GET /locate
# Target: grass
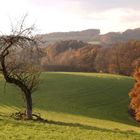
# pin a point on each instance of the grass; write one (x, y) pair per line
(83, 106)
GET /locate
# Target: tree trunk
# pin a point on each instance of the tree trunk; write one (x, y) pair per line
(28, 106)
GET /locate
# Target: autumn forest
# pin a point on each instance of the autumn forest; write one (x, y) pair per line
(72, 55)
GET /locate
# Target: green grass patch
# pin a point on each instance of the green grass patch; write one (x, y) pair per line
(91, 106)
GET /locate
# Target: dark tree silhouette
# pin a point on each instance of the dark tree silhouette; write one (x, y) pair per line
(18, 64)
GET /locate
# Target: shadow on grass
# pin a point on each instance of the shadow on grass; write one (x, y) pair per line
(99, 97)
(30, 123)
(78, 125)
(91, 127)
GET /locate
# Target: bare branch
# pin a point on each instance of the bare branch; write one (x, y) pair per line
(18, 61)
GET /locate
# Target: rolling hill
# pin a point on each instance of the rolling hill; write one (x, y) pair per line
(91, 36)
(116, 37)
(88, 35)
(82, 106)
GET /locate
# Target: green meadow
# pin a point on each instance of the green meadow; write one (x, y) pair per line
(79, 106)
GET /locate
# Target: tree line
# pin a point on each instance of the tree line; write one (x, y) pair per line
(72, 55)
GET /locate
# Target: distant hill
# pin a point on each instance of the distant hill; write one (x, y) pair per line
(114, 37)
(91, 36)
(85, 36)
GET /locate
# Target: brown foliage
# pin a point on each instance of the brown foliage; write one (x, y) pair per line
(135, 95)
(72, 55)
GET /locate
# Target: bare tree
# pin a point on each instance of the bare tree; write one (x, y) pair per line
(17, 61)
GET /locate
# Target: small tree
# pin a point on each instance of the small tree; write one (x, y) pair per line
(18, 64)
(135, 96)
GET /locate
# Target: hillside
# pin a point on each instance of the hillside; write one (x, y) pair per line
(115, 37)
(85, 36)
(91, 36)
(82, 106)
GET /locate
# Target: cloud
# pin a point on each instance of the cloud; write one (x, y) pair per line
(97, 5)
(66, 15)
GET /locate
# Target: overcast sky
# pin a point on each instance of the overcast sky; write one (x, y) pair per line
(72, 15)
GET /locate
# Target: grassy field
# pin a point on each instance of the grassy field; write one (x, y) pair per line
(82, 106)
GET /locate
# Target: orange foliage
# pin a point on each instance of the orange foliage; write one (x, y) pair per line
(135, 95)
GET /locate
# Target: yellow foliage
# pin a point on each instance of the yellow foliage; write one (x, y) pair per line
(135, 95)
